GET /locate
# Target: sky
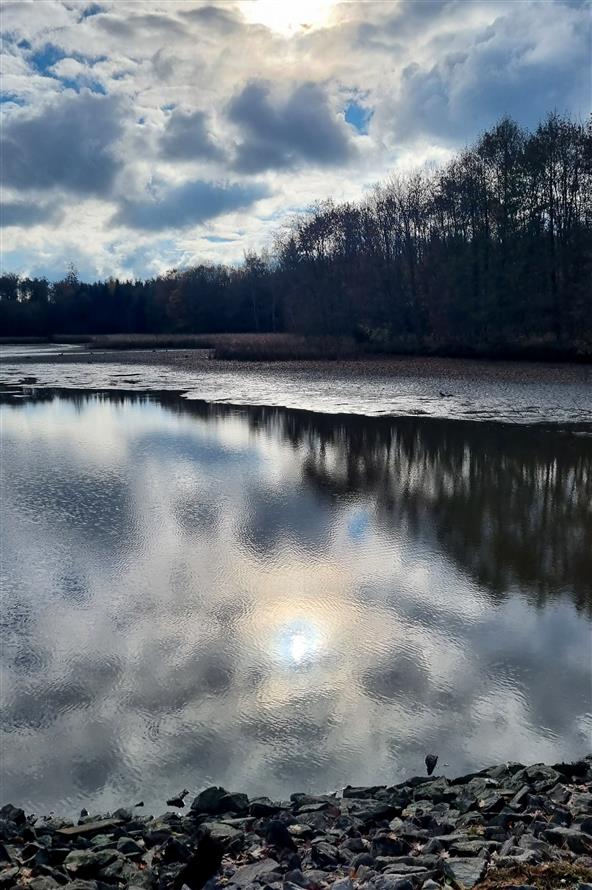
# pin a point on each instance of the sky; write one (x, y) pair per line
(142, 136)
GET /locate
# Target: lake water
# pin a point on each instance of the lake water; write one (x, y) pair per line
(276, 600)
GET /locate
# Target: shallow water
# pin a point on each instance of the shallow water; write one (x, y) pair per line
(509, 393)
(35, 350)
(276, 600)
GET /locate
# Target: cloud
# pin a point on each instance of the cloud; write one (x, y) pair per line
(21, 213)
(67, 145)
(516, 64)
(322, 112)
(213, 16)
(279, 134)
(186, 137)
(180, 206)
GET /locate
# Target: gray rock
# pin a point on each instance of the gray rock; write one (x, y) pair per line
(87, 862)
(256, 871)
(541, 777)
(362, 859)
(314, 877)
(518, 802)
(388, 845)
(525, 857)
(13, 814)
(8, 876)
(581, 803)
(123, 813)
(576, 841)
(402, 868)
(263, 806)
(430, 885)
(434, 845)
(390, 882)
(102, 841)
(295, 877)
(324, 855)
(363, 792)
(355, 844)
(129, 847)
(559, 793)
(43, 883)
(365, 873)
(174, 850)
(301, 799)
(343, 884)
(87, 885)
(473, 847)
(437, 791)
(118, 870)
(210, 800)
(466, 871)
(491, 803)
(375, 811)
(222, 830)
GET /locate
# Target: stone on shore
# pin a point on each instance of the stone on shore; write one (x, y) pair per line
(422, 834)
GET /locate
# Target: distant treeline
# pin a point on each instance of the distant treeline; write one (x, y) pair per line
(491, 252)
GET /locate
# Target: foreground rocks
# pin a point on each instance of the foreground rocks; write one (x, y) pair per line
(509, 826)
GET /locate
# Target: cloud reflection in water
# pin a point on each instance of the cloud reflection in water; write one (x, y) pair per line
(277, 601)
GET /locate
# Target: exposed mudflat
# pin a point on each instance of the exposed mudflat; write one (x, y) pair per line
(453, 388)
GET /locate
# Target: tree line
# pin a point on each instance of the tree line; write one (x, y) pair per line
(491, 250)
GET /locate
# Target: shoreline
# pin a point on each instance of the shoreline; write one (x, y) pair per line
(507, 826)
(526, 370)
(456, 389)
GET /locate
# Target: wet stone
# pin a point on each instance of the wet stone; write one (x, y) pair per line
(255, 872)
(263, 806)
(466, 871)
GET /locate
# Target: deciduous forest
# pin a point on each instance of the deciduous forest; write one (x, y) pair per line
(490, 252)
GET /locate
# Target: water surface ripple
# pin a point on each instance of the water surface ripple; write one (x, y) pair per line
(279, 600)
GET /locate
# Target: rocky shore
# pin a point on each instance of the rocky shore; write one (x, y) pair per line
(509, 826)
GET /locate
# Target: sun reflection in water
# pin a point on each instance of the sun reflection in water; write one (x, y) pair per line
(299, 643)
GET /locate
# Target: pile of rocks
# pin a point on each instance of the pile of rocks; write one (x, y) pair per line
(489, 829)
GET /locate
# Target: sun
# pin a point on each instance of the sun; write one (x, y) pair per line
(288, 16)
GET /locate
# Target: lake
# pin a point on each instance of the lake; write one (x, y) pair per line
(278, 600)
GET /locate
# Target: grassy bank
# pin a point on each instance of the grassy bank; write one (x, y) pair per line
(294, 347)
(270, 347)
(240, 347)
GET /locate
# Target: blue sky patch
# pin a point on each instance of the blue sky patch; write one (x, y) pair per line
(92, 9)
(12, 99)
(358, 116)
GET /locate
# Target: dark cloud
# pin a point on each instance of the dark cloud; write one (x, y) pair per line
(21, 213)
(188, 204)
(213, 16)
(501, 69)
(301, 129)
(133, 26)
(114, 25)
(186, 138)
(68, 145)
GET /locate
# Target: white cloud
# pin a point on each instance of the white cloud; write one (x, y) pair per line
(181, 79)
